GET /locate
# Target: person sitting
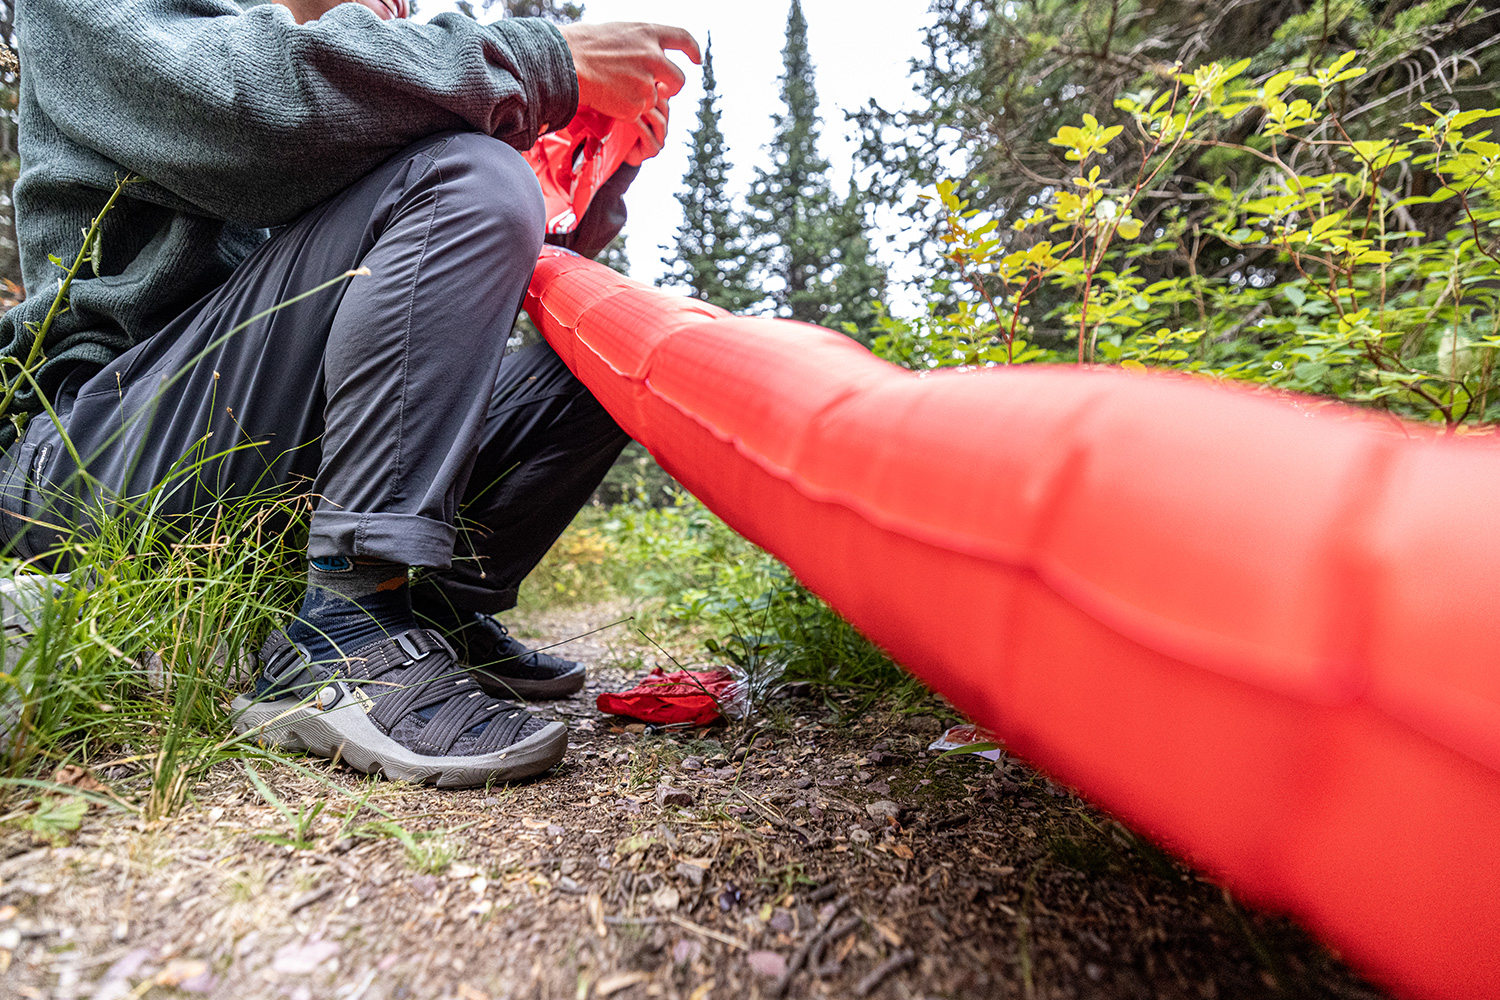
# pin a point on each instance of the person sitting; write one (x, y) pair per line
(267, 150)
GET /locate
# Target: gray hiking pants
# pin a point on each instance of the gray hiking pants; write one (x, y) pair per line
(384, 396)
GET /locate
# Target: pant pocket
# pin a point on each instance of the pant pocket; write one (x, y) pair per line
(15, 470)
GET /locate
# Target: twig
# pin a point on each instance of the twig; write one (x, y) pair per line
(708, 932)
(815, 963)
(799, 957)
(310, 897)
(878, 974)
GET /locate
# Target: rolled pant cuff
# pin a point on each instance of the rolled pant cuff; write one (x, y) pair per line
(408, 539)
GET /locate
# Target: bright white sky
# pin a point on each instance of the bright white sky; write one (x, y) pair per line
(860, 49)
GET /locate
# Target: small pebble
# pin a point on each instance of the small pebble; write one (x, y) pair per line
(767, 963)
(667, 796)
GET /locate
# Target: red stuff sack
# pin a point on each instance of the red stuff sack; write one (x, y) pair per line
(694, 697)
(574, 162)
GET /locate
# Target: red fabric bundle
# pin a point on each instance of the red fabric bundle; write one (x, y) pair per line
(572, 164)
(694, 697)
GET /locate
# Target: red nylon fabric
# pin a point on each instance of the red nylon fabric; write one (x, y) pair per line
(692, 697)
(573, 162)
(1264, 633)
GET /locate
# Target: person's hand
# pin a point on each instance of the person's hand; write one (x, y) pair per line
(623, 66)
(652, 130)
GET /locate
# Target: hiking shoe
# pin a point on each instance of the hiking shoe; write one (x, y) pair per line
(506, 668)
(401, 707)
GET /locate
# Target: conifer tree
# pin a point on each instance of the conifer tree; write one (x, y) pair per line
(860, 285)
(711, 255)
(808, 231)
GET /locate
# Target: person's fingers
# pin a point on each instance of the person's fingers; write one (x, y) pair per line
(668, 75)
(654, 125)
(680, 40)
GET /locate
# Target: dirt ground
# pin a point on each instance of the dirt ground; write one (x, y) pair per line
(810, 855)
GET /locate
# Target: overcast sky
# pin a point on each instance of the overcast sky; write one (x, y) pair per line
(860, 49)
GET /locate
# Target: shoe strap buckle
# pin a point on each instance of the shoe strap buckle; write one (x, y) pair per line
(289, 657)
(409, 646)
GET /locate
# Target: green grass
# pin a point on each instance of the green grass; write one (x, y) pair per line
(685, 572)
(133, 661)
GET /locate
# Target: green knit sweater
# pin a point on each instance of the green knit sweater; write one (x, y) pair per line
(238, 120)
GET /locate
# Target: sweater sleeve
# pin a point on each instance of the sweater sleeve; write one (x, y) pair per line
(250, 117)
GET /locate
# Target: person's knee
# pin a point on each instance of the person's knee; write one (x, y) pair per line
(494, 185)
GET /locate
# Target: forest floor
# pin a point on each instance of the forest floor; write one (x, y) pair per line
(813, 855)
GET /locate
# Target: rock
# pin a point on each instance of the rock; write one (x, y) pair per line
(923, 723)
(691, 764)
(729, 898)
(115, 984)
(767, 963)
(878, 788)
(666, 899)
(717, 762)
(781, 921)
(667, 796)
(569, 886)
(859, 835)
(692, 873)
(883, 809)
(300, 959)
(424, 885)
(686, 950)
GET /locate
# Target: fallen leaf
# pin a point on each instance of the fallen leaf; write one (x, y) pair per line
(76, 776)
(888, 932)
(902, 851)
(610, 985)
(55, 818)
(702, 991)
(594, 905)
(180, 970)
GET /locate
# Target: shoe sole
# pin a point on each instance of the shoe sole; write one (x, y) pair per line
(346, 734)
(499, 686)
